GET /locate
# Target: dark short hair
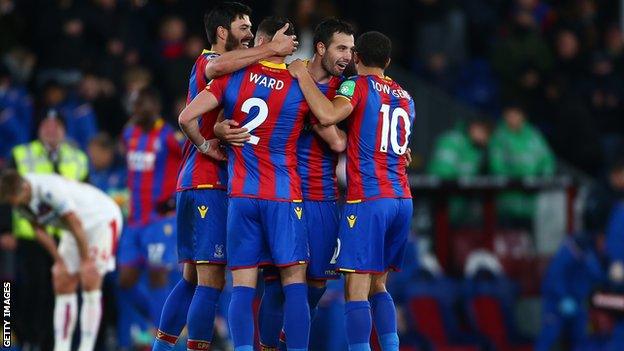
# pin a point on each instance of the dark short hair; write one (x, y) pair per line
(270, 25)
(373, 49)
(10, 184)
(103, 140)
(223, 15)
(325, 30)
(149, 93)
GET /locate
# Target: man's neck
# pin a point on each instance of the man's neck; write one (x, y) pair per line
(370, 71)
(219, 48)
(318, 73)
(275, 59)
(147, 124)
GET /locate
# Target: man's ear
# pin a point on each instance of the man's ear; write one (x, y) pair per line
(222, 33)
(320, 48)
(388, 63)
(356, 58)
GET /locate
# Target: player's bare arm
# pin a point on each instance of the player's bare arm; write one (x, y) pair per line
(73, 223)
(48, 243)
(231, 61)
(327, 112)
(333, 136)
(188, 121)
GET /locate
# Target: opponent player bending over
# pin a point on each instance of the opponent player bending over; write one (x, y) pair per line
(265, 213)
(376, 218)
(201, 199)
(84, 254)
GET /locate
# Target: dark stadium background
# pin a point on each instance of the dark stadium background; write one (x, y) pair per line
(561, 63)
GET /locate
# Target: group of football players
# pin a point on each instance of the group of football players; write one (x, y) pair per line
(257, 189)
(275, 208)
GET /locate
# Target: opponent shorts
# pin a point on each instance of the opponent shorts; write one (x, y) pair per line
(102, 242)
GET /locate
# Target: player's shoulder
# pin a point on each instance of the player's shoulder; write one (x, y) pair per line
(207, 55)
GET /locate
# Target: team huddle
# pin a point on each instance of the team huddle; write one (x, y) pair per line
(257, 189)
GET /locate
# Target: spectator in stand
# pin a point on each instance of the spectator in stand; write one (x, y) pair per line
(522, 46)
(567, 117)
(605, 93)
(569, 61)
(614, 46)
(542, 13)
(78, 115)
(462, 152)
(15, 115)
(518, 150)
(102, 95)
(174, 72)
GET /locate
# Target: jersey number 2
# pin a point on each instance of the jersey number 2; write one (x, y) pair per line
(389, 125)
(263, 113)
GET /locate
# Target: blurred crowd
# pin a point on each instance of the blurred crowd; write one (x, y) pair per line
(547, 76)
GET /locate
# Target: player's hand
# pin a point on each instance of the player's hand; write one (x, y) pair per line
(297, 68)
(59, 268)
(282, 44)
(227, 132)
(212, 148)
(408, 156)
(88, 267)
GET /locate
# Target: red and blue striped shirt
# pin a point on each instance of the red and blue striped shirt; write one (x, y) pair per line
(316, 161)
(377, 139)
(266, 100)
(198, 171)
(153, 157)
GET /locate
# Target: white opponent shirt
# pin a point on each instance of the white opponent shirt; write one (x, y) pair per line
(54, 196)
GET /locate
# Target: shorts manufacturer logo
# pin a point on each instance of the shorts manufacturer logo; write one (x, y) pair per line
(168, 229)
(202, 211)
(351, 219)
(299, 212)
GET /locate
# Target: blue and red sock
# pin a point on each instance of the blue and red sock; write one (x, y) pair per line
(201, 316)
(173, 316)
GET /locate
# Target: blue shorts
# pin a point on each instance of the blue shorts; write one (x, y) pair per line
(153, 244)
(373, 235)
(262, 232)
(322, 218)
(201, 222)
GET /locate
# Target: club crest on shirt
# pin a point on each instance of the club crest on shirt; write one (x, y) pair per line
(202, 210)
(351, 220)
(168, 229)
(299, 212)
(218, 251)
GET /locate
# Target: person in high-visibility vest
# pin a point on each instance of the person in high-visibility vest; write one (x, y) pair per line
(49, 153)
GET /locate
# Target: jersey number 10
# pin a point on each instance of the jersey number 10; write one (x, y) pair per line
(389, 125)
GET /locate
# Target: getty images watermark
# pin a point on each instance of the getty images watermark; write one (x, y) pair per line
(6, 314)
